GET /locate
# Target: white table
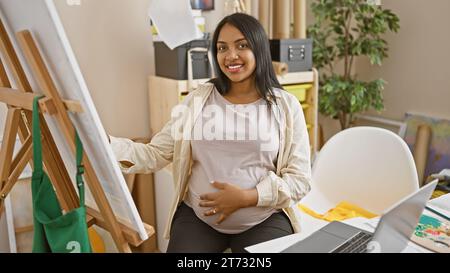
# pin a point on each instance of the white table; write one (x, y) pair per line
(311, 224)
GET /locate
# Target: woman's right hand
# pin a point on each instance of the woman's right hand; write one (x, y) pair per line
(126, 164)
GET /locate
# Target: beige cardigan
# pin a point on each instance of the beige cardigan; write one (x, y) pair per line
(280, 190)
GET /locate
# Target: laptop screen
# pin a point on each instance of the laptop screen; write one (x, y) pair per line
(397, 224)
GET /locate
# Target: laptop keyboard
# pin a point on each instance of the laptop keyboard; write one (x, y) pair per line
(357, 244)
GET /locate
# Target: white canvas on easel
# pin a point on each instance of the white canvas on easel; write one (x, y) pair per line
(41, 18)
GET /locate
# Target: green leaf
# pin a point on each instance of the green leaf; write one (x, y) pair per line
(353, 101)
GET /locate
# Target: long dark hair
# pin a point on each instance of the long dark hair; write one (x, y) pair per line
(254, 33)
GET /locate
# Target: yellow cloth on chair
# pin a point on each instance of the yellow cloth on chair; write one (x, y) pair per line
(344, 210)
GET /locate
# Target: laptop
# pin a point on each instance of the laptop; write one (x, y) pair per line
(391, 235)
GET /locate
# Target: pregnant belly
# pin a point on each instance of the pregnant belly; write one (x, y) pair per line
(239, 221)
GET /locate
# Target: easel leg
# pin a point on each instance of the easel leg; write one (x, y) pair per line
(7, 148)
(26, 153)
(9, 141)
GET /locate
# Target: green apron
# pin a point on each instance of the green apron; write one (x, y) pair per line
(53, 231)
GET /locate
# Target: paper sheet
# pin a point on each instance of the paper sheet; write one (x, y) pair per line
(174, 21)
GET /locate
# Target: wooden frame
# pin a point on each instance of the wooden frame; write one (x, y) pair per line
(18, 122)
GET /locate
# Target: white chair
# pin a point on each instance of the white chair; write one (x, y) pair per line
(367, 166)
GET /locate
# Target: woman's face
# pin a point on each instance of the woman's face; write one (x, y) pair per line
(235, 58)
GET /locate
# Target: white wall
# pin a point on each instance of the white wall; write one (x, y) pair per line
(417, 74)
(417, 70)
(112, 42)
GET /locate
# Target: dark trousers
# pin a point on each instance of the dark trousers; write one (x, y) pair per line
(189, 234)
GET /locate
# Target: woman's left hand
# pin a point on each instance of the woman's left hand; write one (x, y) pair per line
(227, 200)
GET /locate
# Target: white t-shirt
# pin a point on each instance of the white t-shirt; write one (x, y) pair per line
(237, 144)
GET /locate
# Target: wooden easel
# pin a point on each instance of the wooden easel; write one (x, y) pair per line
(18, 122)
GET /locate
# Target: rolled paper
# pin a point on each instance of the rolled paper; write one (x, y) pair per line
(264, 17)
(421, 148)
(281, 19)
(300, 19)
(280, 68)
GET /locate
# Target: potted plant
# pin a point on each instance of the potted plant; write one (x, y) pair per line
(343, 31)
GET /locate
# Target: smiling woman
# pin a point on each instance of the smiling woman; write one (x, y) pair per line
(235, 57)
(243, 60)
(242, 161)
